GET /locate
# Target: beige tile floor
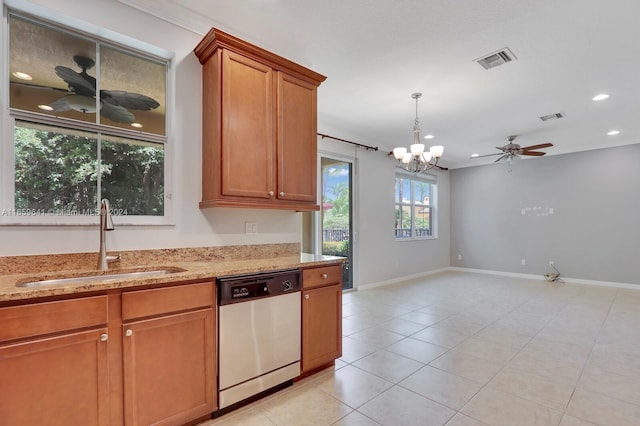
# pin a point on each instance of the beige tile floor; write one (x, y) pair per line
(465, 349)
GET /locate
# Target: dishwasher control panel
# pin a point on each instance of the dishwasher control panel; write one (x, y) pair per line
(239, 288)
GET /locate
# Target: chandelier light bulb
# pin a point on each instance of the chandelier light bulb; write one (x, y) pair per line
(399, 152)
(417, 148)
(437, 151)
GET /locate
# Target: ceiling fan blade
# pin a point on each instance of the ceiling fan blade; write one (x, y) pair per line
(534, 153)
(60, 104)
(116, 113)
(38, 87)
(503, 156)
(542, 145)
(488, 155)
(129, 100)
(76, 81)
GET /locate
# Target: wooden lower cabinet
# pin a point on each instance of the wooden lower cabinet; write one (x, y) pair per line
(60, 380)
(168, 354)
(54, 363)
(169, 374)
(321, 319)
(140, 357)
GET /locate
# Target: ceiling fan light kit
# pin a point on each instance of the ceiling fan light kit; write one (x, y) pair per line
(416, 159)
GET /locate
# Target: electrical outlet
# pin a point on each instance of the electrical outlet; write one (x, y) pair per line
(552, 264)
(459, 257)
(523, 261)
(251, 228)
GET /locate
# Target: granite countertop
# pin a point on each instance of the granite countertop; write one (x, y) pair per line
(187, 271)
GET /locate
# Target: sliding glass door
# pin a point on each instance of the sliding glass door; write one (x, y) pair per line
(330, 231)
(337, 213)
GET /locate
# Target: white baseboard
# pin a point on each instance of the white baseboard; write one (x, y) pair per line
(500, 273)
(399, 280)
(540, 277)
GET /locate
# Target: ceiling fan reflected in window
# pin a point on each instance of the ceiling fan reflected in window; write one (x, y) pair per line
(113, 104)
(512, 151)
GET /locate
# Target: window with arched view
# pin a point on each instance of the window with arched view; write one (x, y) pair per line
(89, 122)
(414, 207)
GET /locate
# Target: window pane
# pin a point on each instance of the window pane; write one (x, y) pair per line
(421, 192)
(398, 195)
(133, 176)
(423, 221)
(403, 190)
(132, 90)
(403, 221)
(59, 78)
(55, 170)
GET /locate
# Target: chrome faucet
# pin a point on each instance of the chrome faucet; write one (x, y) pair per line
(106, 224)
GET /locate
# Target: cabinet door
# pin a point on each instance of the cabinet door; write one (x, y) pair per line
(248, 134)
(55, 381)
(321, 326)
(169, 370)
(297, 139)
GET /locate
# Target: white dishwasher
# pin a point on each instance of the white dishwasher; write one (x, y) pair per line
(259, 334)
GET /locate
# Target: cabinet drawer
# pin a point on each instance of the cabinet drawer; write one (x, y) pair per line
(316, 277)
(52, 317)
(157, 301)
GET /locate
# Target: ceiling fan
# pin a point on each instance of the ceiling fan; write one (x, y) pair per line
(513, 150)
(114, 104)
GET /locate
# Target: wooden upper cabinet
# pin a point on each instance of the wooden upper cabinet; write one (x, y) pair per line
(259, 144)
(297, 145)
(248, 149)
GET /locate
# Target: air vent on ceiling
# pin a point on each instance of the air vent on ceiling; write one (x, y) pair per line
(496, 59)
(550, 117)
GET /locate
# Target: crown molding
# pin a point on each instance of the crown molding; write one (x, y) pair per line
(173, 13)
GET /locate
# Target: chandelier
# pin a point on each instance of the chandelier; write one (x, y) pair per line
(418, 160)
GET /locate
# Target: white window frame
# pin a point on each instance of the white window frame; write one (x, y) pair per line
(8, 215)
(433, 202)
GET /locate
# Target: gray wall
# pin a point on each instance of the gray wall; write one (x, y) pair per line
(580, 210)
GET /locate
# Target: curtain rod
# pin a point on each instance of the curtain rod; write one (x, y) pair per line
(373, 148)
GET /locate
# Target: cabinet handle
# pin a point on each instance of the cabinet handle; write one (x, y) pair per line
(104, 337)
(282, 194)
(270, 193)
(128, 333)
(324, 276)
(306, 296)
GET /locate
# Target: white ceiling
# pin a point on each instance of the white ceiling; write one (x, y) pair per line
(376, 53)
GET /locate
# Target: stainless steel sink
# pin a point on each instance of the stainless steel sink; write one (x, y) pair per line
(99, 277)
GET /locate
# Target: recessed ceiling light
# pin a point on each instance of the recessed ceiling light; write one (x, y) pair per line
(429, 137)
(600, 97)
(613, 132)
(22, 75)
(474, 155)
(45, 107)
(136, 125)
